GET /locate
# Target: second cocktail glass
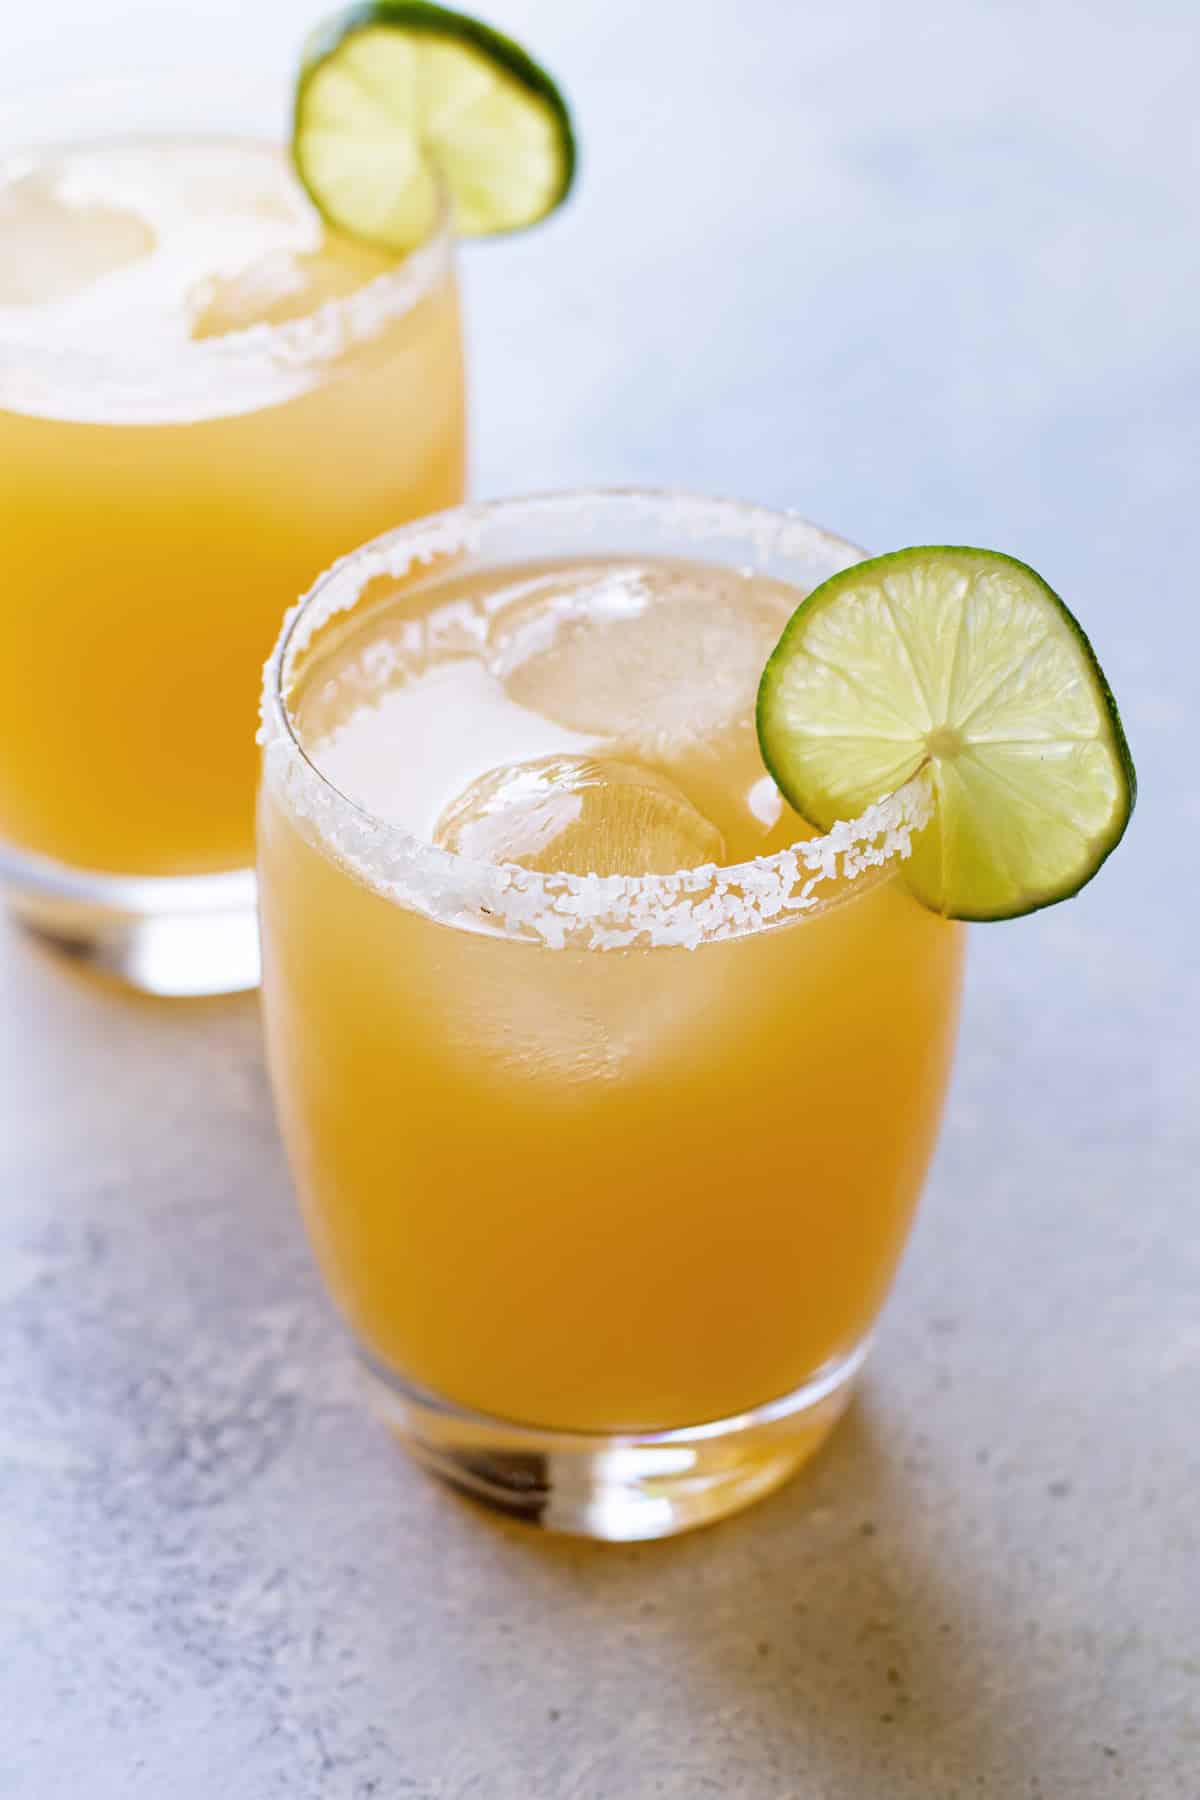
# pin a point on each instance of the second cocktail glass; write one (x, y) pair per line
(205, 398)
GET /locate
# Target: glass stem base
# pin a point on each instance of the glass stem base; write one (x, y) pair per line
(173, 936)
(626, 1486)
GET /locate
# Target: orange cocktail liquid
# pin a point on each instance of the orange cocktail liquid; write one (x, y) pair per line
(582, 1187)
(204, 399)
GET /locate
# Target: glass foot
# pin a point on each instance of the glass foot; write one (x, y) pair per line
(183, 936)
(625, 1486)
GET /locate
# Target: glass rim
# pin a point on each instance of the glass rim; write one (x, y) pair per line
(594, 911)
(120, 385)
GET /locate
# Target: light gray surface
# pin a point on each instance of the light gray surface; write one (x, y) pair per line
(923, 271)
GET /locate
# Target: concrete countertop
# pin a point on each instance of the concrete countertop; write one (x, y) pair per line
(924, 272)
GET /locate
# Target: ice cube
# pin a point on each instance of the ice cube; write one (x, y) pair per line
(265, 292)
(280, 286)
(657, 657)
(54, 248)
(579, 815)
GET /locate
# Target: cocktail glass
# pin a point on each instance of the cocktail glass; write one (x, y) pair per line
(608, 1174)
(204, 400)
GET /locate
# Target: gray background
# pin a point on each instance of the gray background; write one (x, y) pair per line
(924, 271)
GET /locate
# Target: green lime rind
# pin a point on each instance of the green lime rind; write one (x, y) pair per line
(400, 102)
(966, 664)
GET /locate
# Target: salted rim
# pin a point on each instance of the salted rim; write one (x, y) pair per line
(218, 377)
(606, 912)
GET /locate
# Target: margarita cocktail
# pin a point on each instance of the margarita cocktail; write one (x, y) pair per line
(206, 395)
(608, 1086)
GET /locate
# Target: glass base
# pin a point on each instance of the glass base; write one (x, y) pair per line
(625, 1486)
(177, 936)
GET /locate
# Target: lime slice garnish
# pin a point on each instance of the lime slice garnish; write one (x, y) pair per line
(397, 98)
(962, 662)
